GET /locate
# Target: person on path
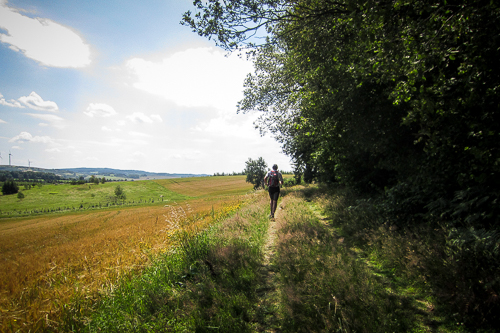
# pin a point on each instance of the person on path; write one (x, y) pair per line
(274, 180)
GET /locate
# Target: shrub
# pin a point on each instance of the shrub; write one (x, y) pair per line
(10, 187)
(119, 193)
(20, 195)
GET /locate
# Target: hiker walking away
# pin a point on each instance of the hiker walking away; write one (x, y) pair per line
(274, 180)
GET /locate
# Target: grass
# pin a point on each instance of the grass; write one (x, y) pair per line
(207, 187)
(321, 266)
(316, 278)
(209, 282)
(49, 258)
(66, 197)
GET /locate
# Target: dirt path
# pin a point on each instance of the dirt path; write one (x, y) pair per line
(269, 290)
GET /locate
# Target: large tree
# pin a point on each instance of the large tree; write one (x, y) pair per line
(397, 97)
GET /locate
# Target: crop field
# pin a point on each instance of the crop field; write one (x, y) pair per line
(61, 198)
(50, 257)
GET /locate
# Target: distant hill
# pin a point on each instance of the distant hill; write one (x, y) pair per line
(102, 172)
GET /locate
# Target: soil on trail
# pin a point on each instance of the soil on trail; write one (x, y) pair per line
(269, 291)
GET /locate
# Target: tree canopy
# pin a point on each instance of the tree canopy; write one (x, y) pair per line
(396, 99)
(256, 171)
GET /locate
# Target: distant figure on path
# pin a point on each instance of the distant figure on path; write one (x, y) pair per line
(274, 180)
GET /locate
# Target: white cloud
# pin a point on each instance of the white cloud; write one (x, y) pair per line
(139, 134)
(106, 129)
(2, 121)
(231, 126)
(100, 110)
(195, 77)
(52, 119)
(157, 117)
(139, 117)
(35, 102)
(53, 150)
(27, 137)
(43, 40)
(12, 103)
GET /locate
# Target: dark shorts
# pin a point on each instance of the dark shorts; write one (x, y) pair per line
(274, 193)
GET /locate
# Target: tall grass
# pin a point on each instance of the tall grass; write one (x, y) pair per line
(325, 287)
(420, 263)
(328, 263)
(207, 282)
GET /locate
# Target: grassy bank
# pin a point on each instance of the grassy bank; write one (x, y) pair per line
(302, 272)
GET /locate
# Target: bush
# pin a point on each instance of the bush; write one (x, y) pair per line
(20, 195)
(10, 187)
(289, 182)
(119, 193)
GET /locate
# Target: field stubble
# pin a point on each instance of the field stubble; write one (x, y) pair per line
(48, 259)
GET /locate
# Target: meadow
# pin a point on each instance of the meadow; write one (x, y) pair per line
(64, 197)
(301, 272)
(55, 255)
(214, 261)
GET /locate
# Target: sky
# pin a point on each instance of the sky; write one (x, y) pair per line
(121, 84)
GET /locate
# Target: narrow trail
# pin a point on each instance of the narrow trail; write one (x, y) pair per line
(269, 290)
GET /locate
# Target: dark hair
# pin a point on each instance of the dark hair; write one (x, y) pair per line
(275, 167)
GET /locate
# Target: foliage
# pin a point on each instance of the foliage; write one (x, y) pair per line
(119, 193)
(397, 100)
(255, 171)
(95, 180)
(20, 195)
(373, 94)
(455, 269)
(28, 175)
(10, 187)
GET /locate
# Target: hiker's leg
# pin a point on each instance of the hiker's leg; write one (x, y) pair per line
(272, 207)
(275, 204)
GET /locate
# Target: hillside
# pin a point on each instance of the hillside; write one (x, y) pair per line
(101, 172)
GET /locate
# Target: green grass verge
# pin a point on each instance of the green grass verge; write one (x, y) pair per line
(208, 282)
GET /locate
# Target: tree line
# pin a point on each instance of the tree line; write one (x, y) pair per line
(397, 100)
(29, 176)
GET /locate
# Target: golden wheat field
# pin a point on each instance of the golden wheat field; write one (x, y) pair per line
(46, 260)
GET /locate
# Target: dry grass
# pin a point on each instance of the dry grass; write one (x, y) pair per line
(207, 186)
(47, 260)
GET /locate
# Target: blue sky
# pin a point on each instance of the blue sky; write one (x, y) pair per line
(121, 84)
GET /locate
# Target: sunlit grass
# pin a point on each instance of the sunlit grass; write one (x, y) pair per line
(47, 260)
(209, 281)
(62, 198)
(206, 264)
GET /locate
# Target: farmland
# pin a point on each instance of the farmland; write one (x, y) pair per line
(56, 254)
(57, 198)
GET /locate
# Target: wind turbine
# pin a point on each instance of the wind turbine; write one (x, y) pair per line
(29, 164)
(9, 157)
(1, 158)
